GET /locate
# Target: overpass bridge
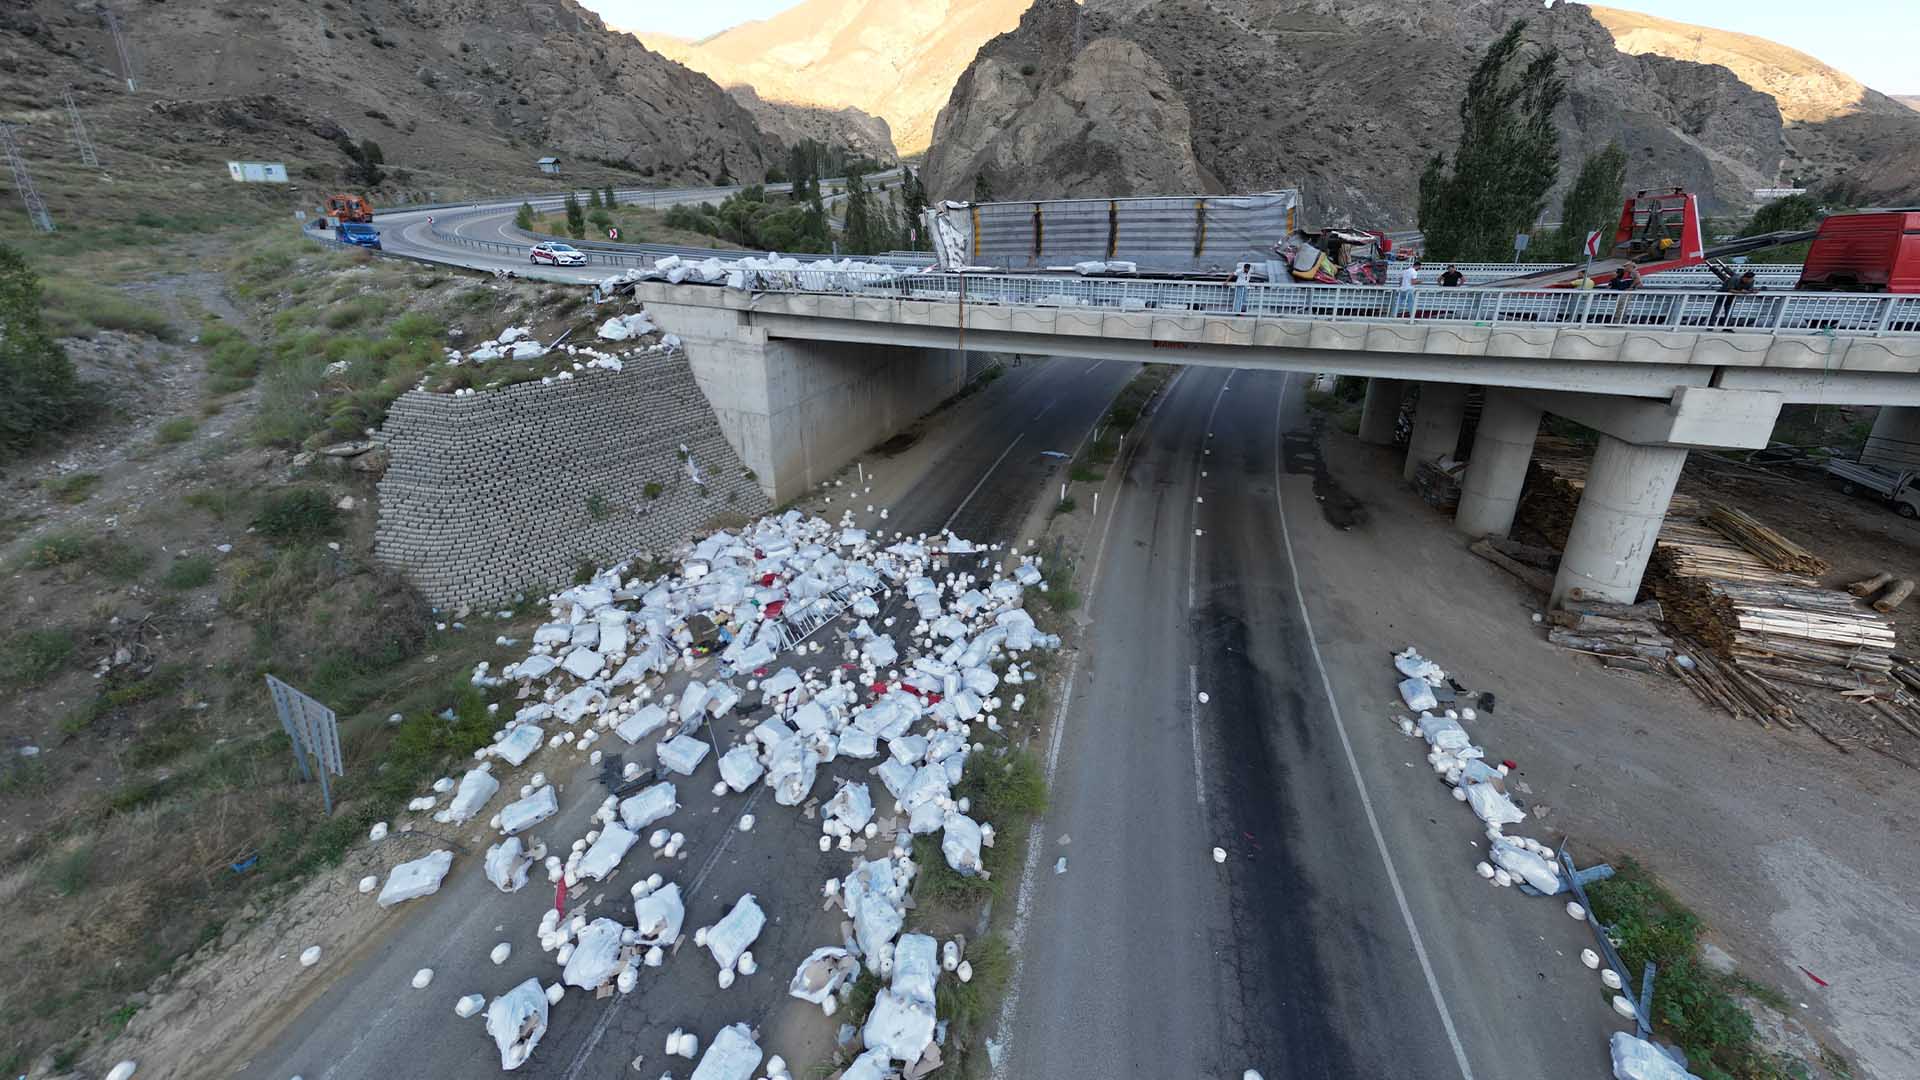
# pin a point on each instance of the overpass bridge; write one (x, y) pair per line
(806, 368)
(791, 358)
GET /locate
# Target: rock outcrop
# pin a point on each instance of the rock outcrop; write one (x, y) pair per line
(1347, 100)
(460, 94)
(1041, 114)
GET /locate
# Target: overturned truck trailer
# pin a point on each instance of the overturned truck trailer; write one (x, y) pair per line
(1165, 234)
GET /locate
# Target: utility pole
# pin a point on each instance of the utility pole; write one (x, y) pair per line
(119, 43)
(81, 139)
(23, 183)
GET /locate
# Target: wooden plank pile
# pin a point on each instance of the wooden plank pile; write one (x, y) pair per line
(1625, 636)
(1766, 545)
(1738, 614)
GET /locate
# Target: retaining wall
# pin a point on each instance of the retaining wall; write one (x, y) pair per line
(504, 491)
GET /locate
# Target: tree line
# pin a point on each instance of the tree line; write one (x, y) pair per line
(1495, 185)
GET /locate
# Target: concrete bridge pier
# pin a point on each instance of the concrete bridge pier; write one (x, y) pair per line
(1497, 468)
(1380, 414)
(1895, 440)
(1620, 514)
(797, 411)
(1436, 424)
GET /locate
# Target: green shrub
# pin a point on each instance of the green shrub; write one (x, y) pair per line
(31, 657)
(81, 308)
(73, 487)
(652, 489)
(1692, 1004)
(177, 430)
(58, 549)
(297, 515)
(40, 395)
(118, 560)
(187, 572)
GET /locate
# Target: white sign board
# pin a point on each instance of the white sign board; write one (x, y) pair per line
(1777, 192)
(1593, 243)
(1520, 241)
(258, 172)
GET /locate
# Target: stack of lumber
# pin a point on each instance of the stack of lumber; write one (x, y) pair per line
(1626, 635)
(1781, 625)
(1764, 544)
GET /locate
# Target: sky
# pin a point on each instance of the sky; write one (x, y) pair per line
(1871, 40)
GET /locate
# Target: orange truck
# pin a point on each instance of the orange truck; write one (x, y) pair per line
(349, 208)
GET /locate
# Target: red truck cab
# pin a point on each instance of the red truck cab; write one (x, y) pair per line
(1871, 252)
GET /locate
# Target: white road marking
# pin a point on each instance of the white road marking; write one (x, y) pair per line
(1029, 870)
(1100, 553)
(1193, 546)
(1353, 763)
(1029, 873)
(982, 481)
(1193, 727)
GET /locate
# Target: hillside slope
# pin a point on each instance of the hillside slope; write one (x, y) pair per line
(461, 95)
(1807, 90)
(1277, 98)
(895, 60)
(1852, 142)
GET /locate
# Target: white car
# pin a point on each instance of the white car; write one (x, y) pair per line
(557, 254)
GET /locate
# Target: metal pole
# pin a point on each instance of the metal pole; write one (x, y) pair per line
(326, 789)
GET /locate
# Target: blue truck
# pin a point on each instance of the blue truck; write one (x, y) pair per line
(358, 234)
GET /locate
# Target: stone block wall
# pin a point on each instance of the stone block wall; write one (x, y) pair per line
(504, 491)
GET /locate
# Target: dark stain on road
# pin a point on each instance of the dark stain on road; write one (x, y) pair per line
(1284, 1008)
(1301, 455)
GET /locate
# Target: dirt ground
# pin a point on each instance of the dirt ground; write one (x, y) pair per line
(1799, 858)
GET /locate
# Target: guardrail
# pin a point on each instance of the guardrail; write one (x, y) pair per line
(1767, 275)
(1762, 313)
(500, 247)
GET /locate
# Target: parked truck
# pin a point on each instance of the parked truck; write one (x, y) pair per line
(1872, 251)
(1172, 235)
(1898, 488)
(345, 208)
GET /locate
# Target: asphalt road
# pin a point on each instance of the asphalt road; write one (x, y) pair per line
(974, 467)
(410, 233)
(1297, 956)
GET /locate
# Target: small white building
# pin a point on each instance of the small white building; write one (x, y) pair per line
(549, 165)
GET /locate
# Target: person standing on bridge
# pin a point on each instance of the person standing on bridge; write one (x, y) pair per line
(1452, 278)
(1242, 274)
(1409, 280)
(1624, 280)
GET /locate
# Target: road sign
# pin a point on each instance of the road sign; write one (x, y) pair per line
(313, 729)
(1520, 241)
(613, 233)
(258, 172)
(1593, 243)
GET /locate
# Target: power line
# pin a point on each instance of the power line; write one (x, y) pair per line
(23, 183)
(119, 43)
(81, 139)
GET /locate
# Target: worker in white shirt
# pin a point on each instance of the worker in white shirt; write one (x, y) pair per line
(1409, 280)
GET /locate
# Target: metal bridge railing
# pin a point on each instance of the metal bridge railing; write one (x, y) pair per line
(1766, 275)
(1647, 309)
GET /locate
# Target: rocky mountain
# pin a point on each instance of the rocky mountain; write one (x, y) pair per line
(895, 59)
(1806, 90)
(1841, 135)
(1344, 99)
(1911, 101)
(860, 132)
(461, 95)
